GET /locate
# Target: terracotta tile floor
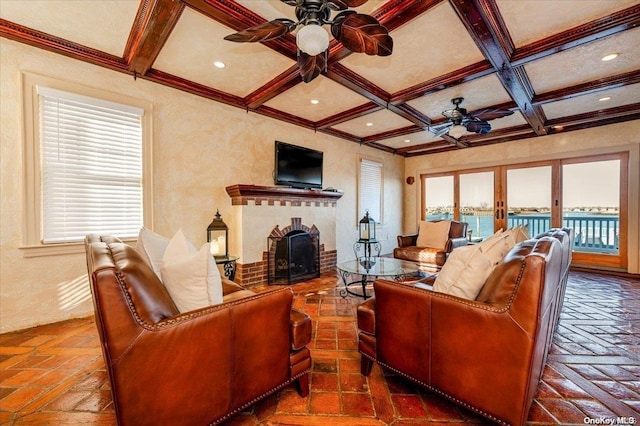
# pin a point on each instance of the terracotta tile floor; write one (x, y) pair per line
(54, 374)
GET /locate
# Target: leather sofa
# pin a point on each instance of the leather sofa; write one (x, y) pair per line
(198, 367)
(430, 259)
(486, 354)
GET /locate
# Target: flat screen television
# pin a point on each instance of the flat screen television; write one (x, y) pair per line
(298, 167)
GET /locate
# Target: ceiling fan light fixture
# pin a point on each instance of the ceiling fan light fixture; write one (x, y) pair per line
(457, 131)
(312, 39)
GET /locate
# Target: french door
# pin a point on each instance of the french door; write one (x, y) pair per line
(588, 194)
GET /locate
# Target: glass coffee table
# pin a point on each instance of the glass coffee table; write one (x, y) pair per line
(359, 273)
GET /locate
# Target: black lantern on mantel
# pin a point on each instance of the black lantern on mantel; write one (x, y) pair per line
(218, 235)
(367, 228)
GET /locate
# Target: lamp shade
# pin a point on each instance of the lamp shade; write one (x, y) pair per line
(312, 39)
(457, 131)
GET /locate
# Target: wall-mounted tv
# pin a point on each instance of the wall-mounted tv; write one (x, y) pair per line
(297, 166)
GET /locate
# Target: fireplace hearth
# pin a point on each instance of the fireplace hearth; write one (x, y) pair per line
(294, 253)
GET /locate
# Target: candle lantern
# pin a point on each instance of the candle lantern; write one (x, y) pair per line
(218, 235)
(367, 228)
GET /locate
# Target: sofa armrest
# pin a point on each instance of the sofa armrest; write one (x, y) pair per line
(458, 242)
(244, 344)
(407, 240)
(300, 324)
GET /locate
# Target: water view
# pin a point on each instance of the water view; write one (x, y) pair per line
(596, 229)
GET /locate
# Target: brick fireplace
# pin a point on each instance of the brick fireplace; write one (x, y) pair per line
(259, 211)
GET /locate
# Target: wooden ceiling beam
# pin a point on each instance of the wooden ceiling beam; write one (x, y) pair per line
(607, 83)
(153, 24)
(484, 23)
(41, 40)
(350, 114)
(606, 26)
(280, 84)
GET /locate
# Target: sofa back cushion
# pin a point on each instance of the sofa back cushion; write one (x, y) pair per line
(433, 234)
(150, 301)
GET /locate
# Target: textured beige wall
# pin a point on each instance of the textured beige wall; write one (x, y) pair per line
(200, 147)
(622, 137)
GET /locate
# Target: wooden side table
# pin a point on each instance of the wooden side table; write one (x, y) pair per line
(228, 265)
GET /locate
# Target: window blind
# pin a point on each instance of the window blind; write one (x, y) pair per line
(370, 189)
(91, 153)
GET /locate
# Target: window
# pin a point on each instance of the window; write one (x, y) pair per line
(87, 155)
(370, 189)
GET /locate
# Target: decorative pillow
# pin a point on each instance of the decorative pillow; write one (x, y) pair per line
(191, 276)
(520, 233)
(497, 246)
(464, 272)
(152, 247)
(433, 234)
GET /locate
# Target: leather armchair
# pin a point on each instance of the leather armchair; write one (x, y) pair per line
(430, 259)
(199, 367)
(486, 354)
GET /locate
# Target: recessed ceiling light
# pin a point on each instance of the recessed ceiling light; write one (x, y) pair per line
(219, 64)
(407, 140)
(605, 98)
(369, 124)
(610, 56)
(315, 101)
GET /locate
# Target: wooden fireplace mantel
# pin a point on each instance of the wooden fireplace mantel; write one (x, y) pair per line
(241, 194)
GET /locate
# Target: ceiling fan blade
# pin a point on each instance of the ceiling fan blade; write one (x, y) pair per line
(311, 66)
(362, 33)
(293, 2)
(264, 31)
(344, 4)
(491, 114)
(478, 126)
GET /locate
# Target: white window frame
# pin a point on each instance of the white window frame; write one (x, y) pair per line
(363, 204)
(32, 245)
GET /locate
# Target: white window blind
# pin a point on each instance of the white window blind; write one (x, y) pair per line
(91, 153)
(370, 189)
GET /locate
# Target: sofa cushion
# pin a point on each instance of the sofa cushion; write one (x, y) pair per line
(151, 247)
(464, 273)
(497, 246)
(433, 234)
(191, 276)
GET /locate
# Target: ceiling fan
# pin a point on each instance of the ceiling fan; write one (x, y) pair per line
(356, 31)
(461, 122)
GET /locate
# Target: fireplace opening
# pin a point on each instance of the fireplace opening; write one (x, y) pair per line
(294, 257)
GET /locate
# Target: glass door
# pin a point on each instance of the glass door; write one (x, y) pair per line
(592, 194)
(476, 203)
(439, 198)
(529, 198)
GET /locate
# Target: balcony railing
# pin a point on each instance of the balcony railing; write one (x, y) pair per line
(593, 233)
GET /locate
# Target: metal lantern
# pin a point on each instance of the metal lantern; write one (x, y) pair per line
(367, 228)
(218, 235)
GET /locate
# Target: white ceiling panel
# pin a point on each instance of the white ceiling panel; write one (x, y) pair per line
(197, 42)
(102, 25)
(433, 44)
(381, 121)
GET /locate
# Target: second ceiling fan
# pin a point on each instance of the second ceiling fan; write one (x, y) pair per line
(356, 31)
(460, 121)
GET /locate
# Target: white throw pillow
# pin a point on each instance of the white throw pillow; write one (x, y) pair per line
(190, 276)
(152, 247)
(464, 273)
(497, 246)
(433, 234)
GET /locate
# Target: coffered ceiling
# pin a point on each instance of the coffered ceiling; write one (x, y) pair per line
(541, 59)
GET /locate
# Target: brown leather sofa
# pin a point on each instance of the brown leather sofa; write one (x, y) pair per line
(486, 354)
(430, 259)
(199, 367)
